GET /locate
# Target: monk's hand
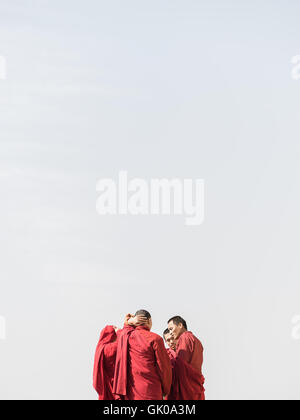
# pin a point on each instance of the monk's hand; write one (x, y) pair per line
(127, 318)
(137, 320)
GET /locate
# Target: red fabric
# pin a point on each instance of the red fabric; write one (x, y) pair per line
(104, 364)
(171, 354)
(188, 381)
(190, 349)
(187, 384)
(143, 368)
(120, 377)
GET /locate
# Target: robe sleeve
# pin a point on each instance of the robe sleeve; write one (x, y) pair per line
(163, 365)
(185, 348)
(110, 349)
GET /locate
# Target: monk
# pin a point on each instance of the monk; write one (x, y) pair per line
(105, 358)
(171, 344)
(104, 364)
(188, 380)
(143, 368)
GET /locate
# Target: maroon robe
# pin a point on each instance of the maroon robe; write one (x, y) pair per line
(188, 381)
(143, 368)
(104, 365)
(171, 353)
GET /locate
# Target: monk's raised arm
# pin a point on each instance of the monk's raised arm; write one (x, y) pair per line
(127, 318)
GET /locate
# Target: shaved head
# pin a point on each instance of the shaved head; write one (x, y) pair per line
(144, 313)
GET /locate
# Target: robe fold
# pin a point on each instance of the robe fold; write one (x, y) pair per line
(171, 354)
(188, 381)
(104, 364)
(143, 368)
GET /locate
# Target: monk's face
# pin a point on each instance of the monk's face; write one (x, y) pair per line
(176, 330)
(170, 341)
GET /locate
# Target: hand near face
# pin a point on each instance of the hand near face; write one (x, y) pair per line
(137, 320)
(127, 318)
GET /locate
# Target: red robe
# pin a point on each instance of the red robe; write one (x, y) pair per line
(171, 354)
(188, 381)
(104, 365)
(143, 368)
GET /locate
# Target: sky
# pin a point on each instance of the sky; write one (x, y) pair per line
(162, 89)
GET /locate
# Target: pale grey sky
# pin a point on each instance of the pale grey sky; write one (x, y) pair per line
(190, 89)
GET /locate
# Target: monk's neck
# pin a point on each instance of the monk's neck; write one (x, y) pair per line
(143, 327)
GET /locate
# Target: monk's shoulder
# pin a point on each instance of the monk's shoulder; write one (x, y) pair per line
(152, 338)
(155, 338)
(188, 337)
(192, 338)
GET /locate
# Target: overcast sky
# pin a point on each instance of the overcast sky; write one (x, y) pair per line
(187, 89)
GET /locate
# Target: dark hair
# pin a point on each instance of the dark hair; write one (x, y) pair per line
(166, 332)
(178, 320)
(144, 313)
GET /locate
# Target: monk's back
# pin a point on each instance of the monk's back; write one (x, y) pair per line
(144, 382)
(190, 350)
